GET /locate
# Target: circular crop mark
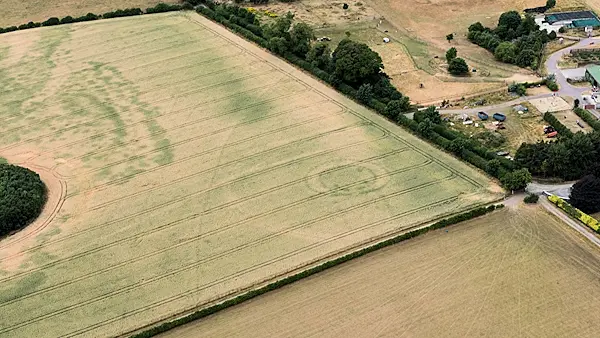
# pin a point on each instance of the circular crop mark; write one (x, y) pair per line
(347, 179)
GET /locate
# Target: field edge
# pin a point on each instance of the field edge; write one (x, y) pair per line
(307, 270)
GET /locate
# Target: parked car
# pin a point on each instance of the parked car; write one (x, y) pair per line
(482, 116)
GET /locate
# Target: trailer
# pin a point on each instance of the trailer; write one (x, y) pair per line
(482, 116)
(499, 117)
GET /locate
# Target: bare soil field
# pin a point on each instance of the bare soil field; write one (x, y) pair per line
(16, 12)
(518, 272)
(193, 166)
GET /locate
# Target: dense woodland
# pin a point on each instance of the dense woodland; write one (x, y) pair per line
(515, 40)
(22, 196)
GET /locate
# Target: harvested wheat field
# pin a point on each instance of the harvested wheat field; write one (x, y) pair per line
(190, 165)
(514, 273)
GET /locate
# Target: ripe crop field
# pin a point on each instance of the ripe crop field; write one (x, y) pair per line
(514, 273)
(186, 165)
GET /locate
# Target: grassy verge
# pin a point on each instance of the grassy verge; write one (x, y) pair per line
(151, 332)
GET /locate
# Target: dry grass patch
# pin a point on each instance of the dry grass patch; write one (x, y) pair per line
(194, 165)
(510, 273)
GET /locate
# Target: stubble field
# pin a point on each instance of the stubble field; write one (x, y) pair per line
(514, 273)
(186, 165)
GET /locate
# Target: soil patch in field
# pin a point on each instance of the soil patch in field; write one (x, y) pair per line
(517, 272)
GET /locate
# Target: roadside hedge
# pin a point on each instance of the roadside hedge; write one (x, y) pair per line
(588, 118)
(562, 130)
(153, 331)
(575, 213)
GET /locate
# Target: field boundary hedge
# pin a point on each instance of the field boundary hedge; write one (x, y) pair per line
(558, 126)
(588, 118)
(581, 216)
(54, 21)
(473, 153)
(153, 331)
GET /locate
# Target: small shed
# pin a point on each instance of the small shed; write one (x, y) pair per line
(592, 74)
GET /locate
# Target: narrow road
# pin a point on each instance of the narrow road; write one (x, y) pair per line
(582, 229)
(563, 189)
(565, 88)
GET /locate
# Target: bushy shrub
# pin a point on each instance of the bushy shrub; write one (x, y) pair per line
(562, 130)
(531, 199)
(122, 13)
(22, 196)
(51, 22)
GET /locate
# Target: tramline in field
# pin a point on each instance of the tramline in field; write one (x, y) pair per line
(187, 165)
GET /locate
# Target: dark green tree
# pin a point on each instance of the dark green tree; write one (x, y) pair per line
(320, 56)
(425, 127)
(525, 58)
(506, 52)
(364, 93)
(433, 115)
(550, 4)
(301, 36)
(355, 62)
(450, 37)
(22, 195)
(516, 180)
(458, 66)
(396, 107)
(476, 27)
(585, 194)
(451, 54)
(510, 19)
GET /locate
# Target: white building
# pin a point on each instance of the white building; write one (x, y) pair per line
(540, 20)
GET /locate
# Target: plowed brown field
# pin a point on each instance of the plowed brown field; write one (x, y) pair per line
(189, 165)
(514, 273)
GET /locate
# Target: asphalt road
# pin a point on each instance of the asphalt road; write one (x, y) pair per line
(577, 226)
(565, 88)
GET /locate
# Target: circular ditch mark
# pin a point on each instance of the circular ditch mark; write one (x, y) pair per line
(349, 179)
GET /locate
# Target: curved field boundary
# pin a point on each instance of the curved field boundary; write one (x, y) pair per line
(405, 235)
(56, 204)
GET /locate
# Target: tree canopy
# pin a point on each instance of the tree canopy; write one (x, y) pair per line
(586, 194)
(355, 62)
(22, 195)
(451, 54)
(458, 66)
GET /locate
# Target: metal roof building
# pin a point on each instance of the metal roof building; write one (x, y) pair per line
(592, 74)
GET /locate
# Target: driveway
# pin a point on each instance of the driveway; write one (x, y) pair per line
(565, 88)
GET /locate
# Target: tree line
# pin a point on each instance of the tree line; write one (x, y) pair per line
(357, 71)
(515, 40)
(160, 8)
(22, 196)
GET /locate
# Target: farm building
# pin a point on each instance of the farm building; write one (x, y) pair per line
(573, 19)
(554, 21)
(592, 74)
